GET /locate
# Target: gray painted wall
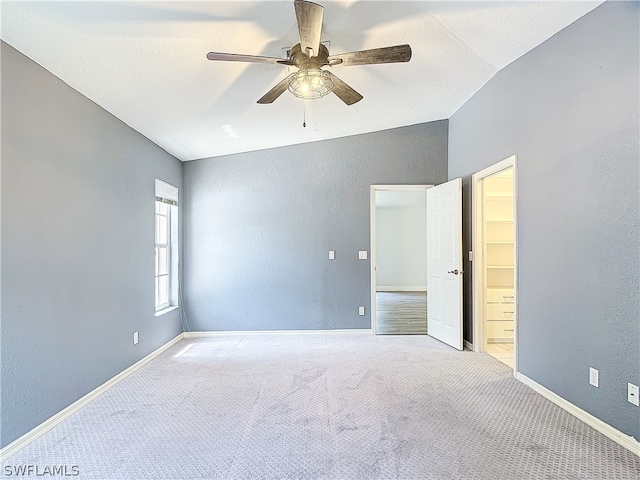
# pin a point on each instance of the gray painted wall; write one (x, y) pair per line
(259, 227)
(569, 110)
(77, 245)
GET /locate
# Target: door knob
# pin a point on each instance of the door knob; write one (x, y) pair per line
(455, 272)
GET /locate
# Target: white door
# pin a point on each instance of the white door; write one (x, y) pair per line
(444, 262)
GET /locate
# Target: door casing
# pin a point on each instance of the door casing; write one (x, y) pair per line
(479, 330)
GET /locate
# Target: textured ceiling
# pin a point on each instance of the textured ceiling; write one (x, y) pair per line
(145, 62)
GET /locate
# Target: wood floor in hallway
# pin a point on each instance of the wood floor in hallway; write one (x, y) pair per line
(401, 313)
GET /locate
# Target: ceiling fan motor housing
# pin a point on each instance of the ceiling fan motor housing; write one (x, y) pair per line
(302, 60)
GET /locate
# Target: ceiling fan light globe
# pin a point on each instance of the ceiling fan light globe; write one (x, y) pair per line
(310, 83)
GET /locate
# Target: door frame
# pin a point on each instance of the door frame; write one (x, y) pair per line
(372, 237)
(479, 331)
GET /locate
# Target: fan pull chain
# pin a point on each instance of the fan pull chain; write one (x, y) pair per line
(304, 114)
(316, 114)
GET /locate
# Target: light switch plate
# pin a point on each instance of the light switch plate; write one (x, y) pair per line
(332, 255)
(362, 255)
(633, 394)
(135, 338)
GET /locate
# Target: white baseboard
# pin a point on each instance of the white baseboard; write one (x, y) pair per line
(395, 288)
(338, 331)
(51, 422)
(628, 442)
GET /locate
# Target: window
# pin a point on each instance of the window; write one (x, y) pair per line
(166, 268)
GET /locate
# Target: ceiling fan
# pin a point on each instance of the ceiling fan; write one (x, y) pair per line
(309, 56)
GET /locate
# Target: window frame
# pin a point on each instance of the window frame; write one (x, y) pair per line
(166, 248)
(166, 276)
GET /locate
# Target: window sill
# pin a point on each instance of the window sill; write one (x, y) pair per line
(167, 310)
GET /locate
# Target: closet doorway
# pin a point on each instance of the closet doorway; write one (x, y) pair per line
(495, 262)
(398, 259)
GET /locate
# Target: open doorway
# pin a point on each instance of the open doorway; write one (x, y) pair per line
(398, 259)
(495, 261)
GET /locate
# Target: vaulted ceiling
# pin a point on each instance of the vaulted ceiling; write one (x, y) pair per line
(145, 62)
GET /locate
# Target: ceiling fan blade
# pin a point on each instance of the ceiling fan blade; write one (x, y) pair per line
(276, 91)
(235, 57)
(309, 16)
(395, 54)
(344, 92)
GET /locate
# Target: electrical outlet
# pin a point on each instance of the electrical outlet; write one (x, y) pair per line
(362, 255)
(135, 338)
(633, 394)
(593, 377)
(332, 255)
(471, 255)
(360, 310)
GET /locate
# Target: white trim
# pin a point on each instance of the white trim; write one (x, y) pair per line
(401, 188)
(396, 288)
(628, 442)
(478, 332)
(51, 422)
(166, 191)
(167, 310)
(477, 278)
(372, 237)
(337, 331)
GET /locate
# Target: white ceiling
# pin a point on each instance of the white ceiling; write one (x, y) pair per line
(145, 62)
